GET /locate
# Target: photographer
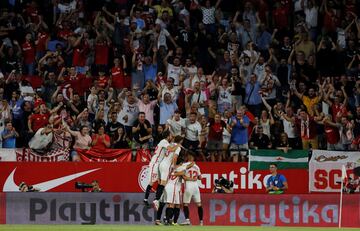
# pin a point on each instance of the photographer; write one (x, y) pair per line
(277, 183)
(223, 185)
(93, 187)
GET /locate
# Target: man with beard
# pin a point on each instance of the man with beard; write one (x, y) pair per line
(310, 100)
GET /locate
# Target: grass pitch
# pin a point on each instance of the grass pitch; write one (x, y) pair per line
(159, 228)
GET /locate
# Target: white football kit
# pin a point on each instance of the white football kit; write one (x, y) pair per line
(173, 194)
(160, 151)
(191, 189)
(166, 163)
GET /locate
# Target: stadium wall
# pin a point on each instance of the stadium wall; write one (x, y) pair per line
(219, 209)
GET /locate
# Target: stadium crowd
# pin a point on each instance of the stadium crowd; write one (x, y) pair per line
(227, 75)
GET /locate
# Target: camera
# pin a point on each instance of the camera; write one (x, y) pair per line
(223, 185)
(93, 187)
(83, 186)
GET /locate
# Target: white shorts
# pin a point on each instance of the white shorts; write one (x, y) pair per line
(154, 171)
(173, 194)
(164, 169)
(239, 149)
(192, 191)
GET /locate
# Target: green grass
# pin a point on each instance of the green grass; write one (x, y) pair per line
(159, 228)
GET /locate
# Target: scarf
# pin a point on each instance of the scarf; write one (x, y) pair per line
(305, 125)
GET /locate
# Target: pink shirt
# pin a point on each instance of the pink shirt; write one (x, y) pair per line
(81, 142)
(148, 109)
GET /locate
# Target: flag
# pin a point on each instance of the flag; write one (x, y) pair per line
(343, 173)
(106, 155)
(293, 159)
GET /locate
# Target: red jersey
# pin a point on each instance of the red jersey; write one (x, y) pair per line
(332, 134)
(251, 125)
(216, 130)
(28, 52)
(281, 17)
(41, 42)
(33, 13)
(102, 82)
(79, 55)
(64, 34)
(38, 121)
(101, 53)
(100, 145)
(75, 82)
(117, 76)
(338, 111)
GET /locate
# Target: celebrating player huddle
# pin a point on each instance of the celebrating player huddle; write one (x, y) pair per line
(167, 167)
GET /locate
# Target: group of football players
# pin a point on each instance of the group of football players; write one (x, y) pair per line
(176, 173)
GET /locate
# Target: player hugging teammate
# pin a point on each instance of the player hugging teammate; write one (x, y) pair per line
(174, 176)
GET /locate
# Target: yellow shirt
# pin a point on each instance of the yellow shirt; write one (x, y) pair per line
(159, 10)
(309, 103)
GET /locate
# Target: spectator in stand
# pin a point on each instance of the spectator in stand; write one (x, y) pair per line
(113, 125)
(120, 139)
(176, 124)
(259, 140)
(192, 133)
(253, 95)
(83, 141)
(307, 126)
(141, 132)
(215, 138)
(118, 74)
(283, 143)
(167, 107)
(100, 140)
(147, 106)
(28, 51)
(9, 135)
(239, 135)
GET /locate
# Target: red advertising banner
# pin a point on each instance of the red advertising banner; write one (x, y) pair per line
(279, 210)
(2, 208)
(133, 177)
(107, 155)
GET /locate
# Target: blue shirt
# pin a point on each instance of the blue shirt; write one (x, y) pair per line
(150, 72)
(252, 97)
(9, 142)
(239, 134)
(17, 111)
(277, 180)
(166, 111)
(264, 40)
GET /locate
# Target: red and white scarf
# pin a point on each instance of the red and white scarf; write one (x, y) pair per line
(305, 128)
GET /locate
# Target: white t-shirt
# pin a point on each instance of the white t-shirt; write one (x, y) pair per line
(131, 110)
(173, 92)
(311, 17)
(224, 95)
(176, 126)
(162, 38)
(66, 8)
(174, 72)
(289, 128)
(192, 131)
